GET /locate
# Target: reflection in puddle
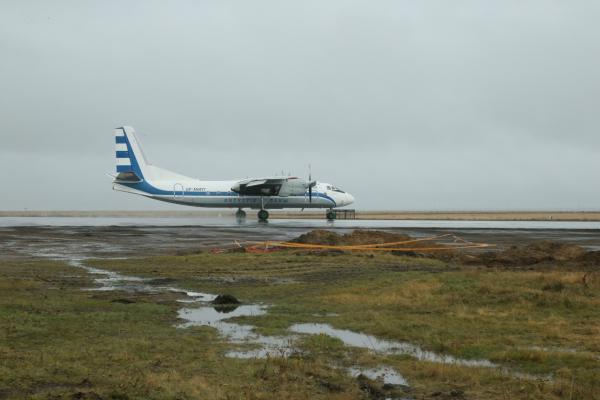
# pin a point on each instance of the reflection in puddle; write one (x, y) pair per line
(207, 316)
(385, 346)
(388, 375)
(225, 308)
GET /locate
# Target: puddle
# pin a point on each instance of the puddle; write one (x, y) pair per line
(564, 350)
(390, 347)
(388, 375)
(281, 346)
(372, 343)
(216, 317)
(110, 280)
(272, 346)
(208, 316)
(554, 349)
(195, 296)
(526, 376)
(213, 316)
(592, 247)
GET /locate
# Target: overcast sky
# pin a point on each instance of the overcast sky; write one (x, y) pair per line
(408, 105)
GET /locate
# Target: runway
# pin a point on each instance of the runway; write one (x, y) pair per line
(124, 237)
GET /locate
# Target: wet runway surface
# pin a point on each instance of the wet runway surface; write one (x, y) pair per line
(123, 237)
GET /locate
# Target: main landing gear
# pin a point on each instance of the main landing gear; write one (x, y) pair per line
(263, 215)
(240, 214)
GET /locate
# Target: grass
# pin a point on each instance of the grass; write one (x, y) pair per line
(59, 340)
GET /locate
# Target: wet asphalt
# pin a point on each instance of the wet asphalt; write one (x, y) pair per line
(124, 237)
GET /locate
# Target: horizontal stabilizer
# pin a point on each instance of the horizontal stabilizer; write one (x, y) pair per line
(129, 177)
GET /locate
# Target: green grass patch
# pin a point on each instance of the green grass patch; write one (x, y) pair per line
(56, 339)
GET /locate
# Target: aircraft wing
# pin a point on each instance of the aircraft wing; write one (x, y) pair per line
(276, 186)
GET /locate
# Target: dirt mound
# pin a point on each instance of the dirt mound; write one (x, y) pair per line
(591, 257)
(515, 256)
(361, 236)
(357, 237)
(225, 299)
(530, 254)
(319, 236)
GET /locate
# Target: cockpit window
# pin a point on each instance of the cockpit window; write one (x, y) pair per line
(337, 189)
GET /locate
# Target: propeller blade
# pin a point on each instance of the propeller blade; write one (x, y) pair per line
(310, 183)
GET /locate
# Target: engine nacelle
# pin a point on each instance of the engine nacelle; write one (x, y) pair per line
(293, 187)
(271, 187)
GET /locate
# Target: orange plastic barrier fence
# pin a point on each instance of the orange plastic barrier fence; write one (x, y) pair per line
(459, 243)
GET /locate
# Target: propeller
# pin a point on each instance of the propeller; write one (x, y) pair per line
(311, 183)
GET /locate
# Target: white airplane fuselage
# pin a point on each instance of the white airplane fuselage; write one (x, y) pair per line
(136, 176)
(218, 194)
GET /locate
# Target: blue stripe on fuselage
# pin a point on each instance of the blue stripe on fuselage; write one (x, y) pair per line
(122, 154)
(152, 190)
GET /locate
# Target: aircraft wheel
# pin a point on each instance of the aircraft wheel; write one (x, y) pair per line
(240, 214)
(263, 215)
(330, 215)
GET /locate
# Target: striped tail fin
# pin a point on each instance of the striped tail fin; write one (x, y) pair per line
(130, 160)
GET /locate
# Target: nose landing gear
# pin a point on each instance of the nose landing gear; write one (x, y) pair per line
(331, 215)
(263, 215)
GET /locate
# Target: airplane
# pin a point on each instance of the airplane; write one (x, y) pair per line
(136, 176)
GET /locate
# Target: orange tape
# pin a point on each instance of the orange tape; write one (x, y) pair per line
(271, 246)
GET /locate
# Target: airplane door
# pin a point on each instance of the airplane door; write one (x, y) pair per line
(178, 191)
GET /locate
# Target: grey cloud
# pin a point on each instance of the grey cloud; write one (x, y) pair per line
(408, 105)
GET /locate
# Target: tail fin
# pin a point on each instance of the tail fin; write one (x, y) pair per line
(132, 165)
(130, 159)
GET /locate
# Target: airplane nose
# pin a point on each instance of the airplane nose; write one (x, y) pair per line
(349, 199)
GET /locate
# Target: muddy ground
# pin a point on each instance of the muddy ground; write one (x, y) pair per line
(125, 241)
(518, 319)
(451, 248)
